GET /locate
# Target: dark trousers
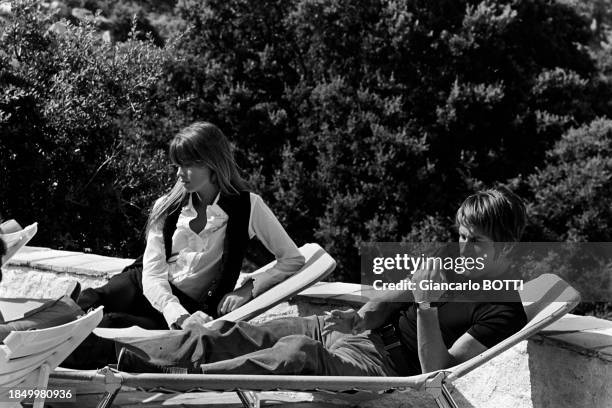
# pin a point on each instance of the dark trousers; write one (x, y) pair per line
(292, 345)
(125, 304)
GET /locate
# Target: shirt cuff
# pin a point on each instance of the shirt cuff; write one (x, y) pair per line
(173, 311)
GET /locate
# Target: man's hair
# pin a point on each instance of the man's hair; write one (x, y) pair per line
(498, 213)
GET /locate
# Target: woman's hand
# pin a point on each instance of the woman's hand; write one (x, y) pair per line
(197, 319)
(345, 321)
(235, 299)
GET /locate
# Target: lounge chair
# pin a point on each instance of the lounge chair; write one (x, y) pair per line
(15, 237)
(8, 226)
(554, 298)
(319, 264)
(28, 357)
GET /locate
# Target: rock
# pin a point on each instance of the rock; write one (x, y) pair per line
(82, 14)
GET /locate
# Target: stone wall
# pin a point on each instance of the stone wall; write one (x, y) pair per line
(36, 272)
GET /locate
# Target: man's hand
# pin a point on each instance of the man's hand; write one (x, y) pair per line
(345, 321)
(376, 314)
(432, 276)
(236, 298)
(197, 319)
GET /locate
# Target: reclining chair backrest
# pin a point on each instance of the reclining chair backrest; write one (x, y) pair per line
(319, 264)
(15, 238)
(24, 352)
(545, 299)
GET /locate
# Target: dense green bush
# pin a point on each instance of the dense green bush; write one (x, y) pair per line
(71, 109)
(570, 199)
(371, 120)
(357, 121)
(572, 192)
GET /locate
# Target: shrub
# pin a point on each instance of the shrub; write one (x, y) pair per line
(357, 121)
(365, 120)
(71, 115)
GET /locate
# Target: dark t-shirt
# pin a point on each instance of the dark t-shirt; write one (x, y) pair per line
(488, 323)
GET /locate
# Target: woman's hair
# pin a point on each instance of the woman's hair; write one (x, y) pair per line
(498, 213)
(201, 143)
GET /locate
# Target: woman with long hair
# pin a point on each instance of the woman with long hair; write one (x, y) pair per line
(197, 236)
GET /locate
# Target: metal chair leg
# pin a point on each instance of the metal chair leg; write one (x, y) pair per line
(113, 386)
(249, 399)
(437, 388)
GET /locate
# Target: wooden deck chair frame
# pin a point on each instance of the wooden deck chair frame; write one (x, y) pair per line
(319, 265)
(15, 237)
(28, 357)
(554, 297)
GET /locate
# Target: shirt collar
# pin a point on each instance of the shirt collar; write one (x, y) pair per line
(190, 201)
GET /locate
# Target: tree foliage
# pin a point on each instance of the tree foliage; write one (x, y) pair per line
(70, 120)
(367, 120)
(571, 193)
(357, 121)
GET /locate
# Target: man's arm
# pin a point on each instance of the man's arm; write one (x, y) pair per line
(377, 312)
(433, 353)
(372, 315)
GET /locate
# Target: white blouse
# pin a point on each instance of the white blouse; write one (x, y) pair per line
(195, 256)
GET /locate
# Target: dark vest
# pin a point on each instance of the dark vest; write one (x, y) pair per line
(238, 209)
